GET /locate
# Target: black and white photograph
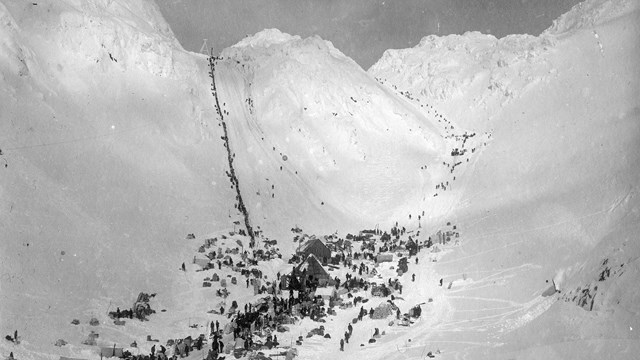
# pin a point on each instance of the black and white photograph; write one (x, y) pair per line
(319, 179)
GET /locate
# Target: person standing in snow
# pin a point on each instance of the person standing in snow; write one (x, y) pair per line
(350, 328)
(341, 344)
(413, 277)
(183, 267)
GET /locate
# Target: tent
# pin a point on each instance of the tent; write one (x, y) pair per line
(315, 269)
(384, 258)
(326, 292)
(203, 263)
(384, 310)
(317, 248)
(111, 351)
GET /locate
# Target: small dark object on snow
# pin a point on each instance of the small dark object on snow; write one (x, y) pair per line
(60, 342)
(75, 322)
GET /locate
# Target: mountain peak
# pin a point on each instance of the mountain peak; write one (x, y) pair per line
(590, 13)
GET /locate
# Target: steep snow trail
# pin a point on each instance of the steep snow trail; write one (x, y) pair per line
(92, 219)
(253, 158)
(235, 182)
(288, 182)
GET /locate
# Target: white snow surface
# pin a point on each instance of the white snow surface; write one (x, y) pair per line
(113, 154)
(327, 147)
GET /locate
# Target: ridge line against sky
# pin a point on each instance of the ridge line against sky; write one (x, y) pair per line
(361, 29)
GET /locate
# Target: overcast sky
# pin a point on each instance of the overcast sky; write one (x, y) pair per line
(362, 29)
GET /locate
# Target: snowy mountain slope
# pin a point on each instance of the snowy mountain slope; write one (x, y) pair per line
(110, 156)
(556, 190)
(328, 147)
(468, 77)
(113, 154)
(589, 14)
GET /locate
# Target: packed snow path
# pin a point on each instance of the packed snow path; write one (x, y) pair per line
(235, 182)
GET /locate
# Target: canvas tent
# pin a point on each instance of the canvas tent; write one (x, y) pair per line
(326, 292)
(312, 267)
(111, 352)
(203, 263)
(384, 258)
(383, 310)
(317, 248)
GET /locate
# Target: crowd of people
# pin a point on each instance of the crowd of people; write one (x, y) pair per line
(255, 325)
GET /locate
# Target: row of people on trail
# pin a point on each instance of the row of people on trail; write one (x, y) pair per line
(122, 314)
(347, 336)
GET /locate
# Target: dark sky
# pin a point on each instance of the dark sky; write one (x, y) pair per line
(362, 29)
